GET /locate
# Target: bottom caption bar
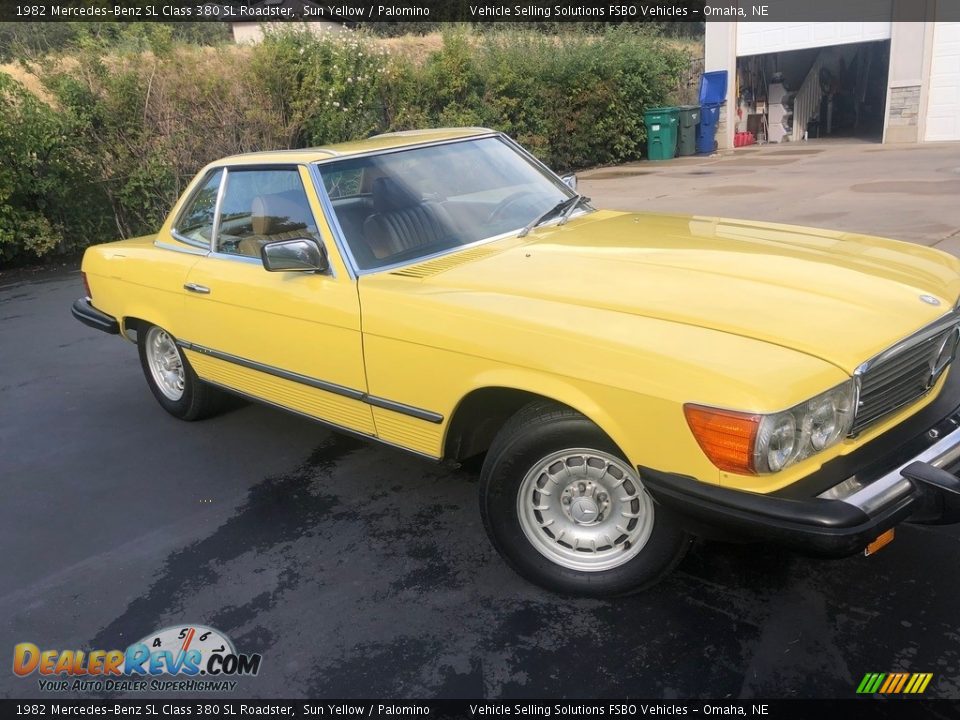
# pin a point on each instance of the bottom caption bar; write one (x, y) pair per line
(878, 707)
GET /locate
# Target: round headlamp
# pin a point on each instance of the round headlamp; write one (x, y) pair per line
(823, 421)
(781, 441)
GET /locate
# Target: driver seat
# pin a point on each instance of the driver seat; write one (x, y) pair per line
(401, 222)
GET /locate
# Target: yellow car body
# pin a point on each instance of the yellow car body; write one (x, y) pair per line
(623, 317)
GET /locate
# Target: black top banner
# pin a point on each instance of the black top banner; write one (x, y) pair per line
(482, 11)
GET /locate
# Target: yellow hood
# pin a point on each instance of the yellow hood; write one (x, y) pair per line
(839, 297)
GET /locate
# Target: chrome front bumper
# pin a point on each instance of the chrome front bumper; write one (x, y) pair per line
(925, 471)
(885, 484)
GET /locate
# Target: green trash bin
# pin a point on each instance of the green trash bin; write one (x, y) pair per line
(687, 139)
(661, 132)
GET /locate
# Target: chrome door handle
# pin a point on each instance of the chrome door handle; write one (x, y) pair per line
(193, 287)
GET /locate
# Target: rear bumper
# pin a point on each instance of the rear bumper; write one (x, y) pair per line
(919, 485)
(86, 313)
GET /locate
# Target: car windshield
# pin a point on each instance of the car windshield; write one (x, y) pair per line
(398, 207)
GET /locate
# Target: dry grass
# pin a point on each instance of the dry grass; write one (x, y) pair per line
(416, 48)
(30, 81)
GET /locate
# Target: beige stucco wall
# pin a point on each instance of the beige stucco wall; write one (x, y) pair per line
(720, 53)
(910, 44)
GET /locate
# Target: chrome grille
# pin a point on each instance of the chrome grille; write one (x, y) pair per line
(905, 372)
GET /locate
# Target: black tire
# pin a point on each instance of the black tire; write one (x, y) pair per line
(534, 433)
(198, 400)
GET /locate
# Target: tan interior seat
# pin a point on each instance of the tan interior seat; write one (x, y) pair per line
(401, 221)
(279, 216)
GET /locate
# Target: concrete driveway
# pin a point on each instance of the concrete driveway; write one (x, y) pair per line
(908, 193)
(359, 571)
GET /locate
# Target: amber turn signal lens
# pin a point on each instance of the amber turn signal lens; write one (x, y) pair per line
(728, 438)
(880, 543)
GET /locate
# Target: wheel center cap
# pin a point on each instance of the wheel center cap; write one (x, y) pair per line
(584, 510)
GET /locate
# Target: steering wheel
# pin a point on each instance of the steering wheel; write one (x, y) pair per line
(507, 202)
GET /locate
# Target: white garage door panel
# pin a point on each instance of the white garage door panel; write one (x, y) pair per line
(755, 38)
(943, 103)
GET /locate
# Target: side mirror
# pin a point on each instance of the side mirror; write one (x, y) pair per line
(570, 181)
(300, 255)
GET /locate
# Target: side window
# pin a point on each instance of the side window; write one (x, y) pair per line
(261, 206)
(195, 224)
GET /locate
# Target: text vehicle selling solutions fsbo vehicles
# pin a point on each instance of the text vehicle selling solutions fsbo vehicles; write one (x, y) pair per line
(630, 379)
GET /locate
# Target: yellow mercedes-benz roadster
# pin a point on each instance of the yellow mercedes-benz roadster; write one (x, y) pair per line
(632, 380)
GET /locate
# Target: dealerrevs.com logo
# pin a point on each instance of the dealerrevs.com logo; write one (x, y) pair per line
(184, 658)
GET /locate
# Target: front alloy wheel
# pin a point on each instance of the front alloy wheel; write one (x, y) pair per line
(585, 510)
(566, 511)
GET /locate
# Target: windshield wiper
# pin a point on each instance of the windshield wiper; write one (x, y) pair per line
(565, 204)
(571, 207)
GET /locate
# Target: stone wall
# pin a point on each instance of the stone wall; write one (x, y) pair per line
(903, 113)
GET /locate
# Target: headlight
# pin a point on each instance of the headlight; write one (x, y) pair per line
(751, 443)
(776, 442)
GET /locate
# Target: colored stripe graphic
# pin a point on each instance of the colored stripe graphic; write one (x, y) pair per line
(903, 681)
(894, 683)
(870, 683)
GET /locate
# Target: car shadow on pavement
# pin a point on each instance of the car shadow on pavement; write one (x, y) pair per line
(365, 572)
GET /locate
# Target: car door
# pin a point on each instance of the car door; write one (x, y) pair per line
(289, 338)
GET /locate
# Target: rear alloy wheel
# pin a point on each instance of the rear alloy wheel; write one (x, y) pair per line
(171, 378)
(165, 362)
(566, 511)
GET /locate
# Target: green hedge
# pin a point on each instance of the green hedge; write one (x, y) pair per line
(125, 133)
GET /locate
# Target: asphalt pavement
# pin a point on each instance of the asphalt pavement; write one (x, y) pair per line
(359, 571)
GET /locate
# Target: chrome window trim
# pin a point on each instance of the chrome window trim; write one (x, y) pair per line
(215, 234)
(239, 258)
(438, 254)
(558, 181)
(403, 148)
(185, 247)
(192, 243)
(176, 221)
(342, 243)
(442, 253)
(330, 215)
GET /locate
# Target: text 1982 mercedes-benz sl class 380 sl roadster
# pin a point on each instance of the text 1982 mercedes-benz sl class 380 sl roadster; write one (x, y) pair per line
(631, 380)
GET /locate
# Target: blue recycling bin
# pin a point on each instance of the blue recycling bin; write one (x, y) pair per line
(713, 93)
(707, 131)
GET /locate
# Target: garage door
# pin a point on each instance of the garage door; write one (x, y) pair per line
(943, 105)
(755, 38)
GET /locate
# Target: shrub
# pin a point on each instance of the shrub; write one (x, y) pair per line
(127, 130)
(330, 85)
(149, 121)
(40, 177)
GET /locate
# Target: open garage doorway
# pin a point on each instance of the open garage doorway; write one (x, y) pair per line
(836, 91)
